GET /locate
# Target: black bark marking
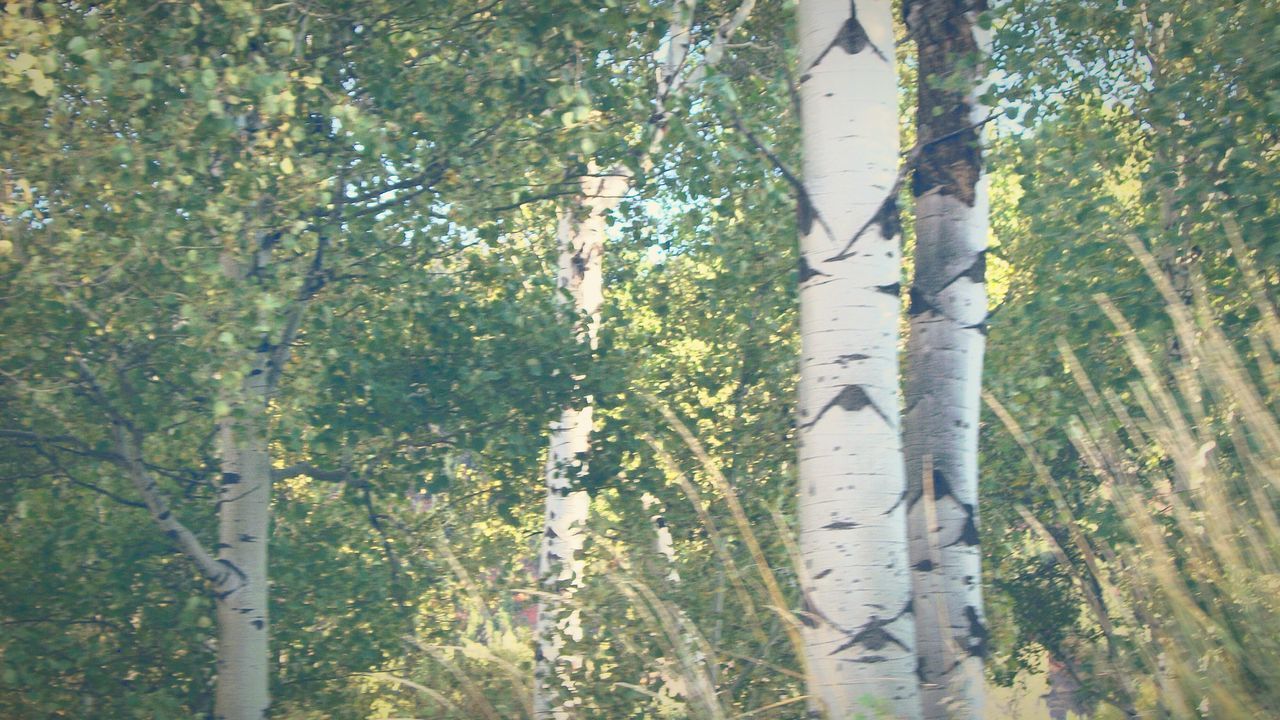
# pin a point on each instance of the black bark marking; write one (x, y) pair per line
(258, 624)
(981, 327)
(172, 534)
(978, 633)
(901, 499)
(232, 569)
(969, 534)
(925, 565)
(247, 538)
(886, 217)
(230, 478)
(846, 359)
(893, 289)
(874, 636)
(841, 525)
(807, 615)
(941, 489)
(851, 38)
(807, 272)
(917, 303)
(976, 272)
(823, 574)
(851, 399)
(920, 674)
(164, 516)
(805, 213)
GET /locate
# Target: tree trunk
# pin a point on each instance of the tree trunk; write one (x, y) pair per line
(244, 509)
(944, 360)
(860, 636)
(581, 235)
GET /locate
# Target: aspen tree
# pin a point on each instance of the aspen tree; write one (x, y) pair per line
(948, 310)
(860, 633)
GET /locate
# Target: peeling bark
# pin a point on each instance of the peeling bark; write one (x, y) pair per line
(859, 634)
(945, 352)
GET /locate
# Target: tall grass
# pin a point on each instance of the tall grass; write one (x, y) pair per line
(1188, 604)
(718, 645)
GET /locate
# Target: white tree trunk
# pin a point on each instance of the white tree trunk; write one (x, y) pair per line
(944, 366)
(860, 639)
(581, 234)
(244, 510)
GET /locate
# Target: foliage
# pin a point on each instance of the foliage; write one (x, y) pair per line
(387, 174)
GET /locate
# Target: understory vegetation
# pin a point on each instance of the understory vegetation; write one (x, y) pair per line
(325, 242)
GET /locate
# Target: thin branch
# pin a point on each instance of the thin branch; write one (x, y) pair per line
(61, 443)
(61, 469)
(393, 562)
(128, 445)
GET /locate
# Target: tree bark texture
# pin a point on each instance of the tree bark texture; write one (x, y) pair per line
(860, 634)
(244, 512)
(948, 311)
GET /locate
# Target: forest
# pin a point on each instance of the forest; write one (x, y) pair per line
(622, 359)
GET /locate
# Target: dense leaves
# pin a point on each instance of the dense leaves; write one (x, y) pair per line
(374, 186)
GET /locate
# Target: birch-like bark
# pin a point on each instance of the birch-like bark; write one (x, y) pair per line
(948, 312)
(860, 634)
(244, 511)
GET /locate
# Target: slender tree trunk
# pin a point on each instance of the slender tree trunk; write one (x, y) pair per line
(581, 235)
(948, 312)
(244, 508)
(861, 634)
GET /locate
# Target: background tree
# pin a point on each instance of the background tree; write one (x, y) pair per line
(288, 186)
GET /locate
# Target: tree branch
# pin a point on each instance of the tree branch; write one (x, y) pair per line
(129, 447)
(60, 468)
